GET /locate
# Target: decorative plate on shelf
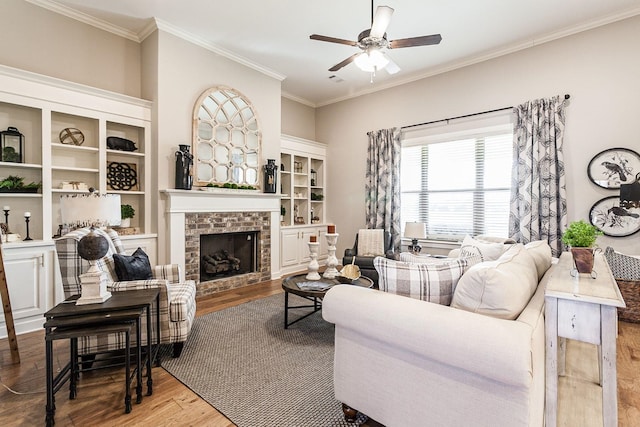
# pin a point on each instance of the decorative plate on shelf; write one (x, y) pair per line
(614, 220)
(122, 176)
(612, 167)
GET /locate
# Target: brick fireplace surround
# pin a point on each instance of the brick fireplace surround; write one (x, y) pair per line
(193, 213)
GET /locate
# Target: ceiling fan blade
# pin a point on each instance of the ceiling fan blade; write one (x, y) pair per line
(347, 61)
(415, 41)
(391, 67)
(332, 39)
(381, 21)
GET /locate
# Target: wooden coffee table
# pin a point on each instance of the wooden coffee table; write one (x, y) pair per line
(290, 285)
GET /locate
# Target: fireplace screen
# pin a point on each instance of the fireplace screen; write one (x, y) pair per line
(228, 254)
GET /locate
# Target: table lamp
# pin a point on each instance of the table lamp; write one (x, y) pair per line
(92, 210)
(415, 231)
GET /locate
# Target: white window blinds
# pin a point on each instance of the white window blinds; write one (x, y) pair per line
(459, 186)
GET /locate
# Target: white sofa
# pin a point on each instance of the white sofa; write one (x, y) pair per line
(407, 362)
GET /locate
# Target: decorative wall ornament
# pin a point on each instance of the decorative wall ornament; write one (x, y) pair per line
(614, 220)
(613, 167)
(122, 176)
(226, 138)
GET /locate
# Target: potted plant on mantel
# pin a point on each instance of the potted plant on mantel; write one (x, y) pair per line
(581, 238)
(126, 213)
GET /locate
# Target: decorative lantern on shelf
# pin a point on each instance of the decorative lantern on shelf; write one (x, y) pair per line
(270, 176)
(314, 177)
(11, 145)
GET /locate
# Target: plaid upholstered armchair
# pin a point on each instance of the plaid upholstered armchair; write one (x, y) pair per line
(177, 298)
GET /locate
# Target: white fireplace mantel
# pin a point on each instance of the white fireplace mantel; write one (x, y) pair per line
(181, 202)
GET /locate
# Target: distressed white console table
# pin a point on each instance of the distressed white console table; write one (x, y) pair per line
(584, 309)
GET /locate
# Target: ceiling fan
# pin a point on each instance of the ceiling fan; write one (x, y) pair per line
(373, 43)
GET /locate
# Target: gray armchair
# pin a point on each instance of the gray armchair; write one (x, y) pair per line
(365, 262)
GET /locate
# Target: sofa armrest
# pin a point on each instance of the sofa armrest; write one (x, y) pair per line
(490, 347)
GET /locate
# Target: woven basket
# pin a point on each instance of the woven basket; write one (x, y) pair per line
(630, 290)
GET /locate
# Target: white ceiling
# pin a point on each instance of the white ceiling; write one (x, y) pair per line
(273, 35)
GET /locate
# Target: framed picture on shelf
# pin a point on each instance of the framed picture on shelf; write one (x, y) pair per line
(122, 176)
(614, 220)
(612, 167)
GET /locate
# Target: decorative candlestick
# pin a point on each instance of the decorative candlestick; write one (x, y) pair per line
(6, 215)
(313, 263)
(27, 217)
(331, 272)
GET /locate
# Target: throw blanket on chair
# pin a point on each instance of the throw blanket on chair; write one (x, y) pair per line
(370, 242)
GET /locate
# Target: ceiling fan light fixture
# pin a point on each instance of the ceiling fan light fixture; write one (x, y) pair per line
(371, 61)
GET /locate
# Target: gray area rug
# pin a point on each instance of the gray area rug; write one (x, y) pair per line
(245, 364)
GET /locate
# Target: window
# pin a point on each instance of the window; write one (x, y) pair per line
(458, 184)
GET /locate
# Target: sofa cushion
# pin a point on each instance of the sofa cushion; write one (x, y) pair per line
(540, 251)
(489, 251)
(428, 282)
(500, 288)
(133, 267)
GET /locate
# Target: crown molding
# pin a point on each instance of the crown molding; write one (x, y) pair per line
(69, 85)
(154, 24)
(200, 41)
(85, 18)
(297, 99)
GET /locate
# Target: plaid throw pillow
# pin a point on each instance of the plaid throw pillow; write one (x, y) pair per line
(428, 282)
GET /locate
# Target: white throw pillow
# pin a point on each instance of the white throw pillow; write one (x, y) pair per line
(488, 251)
(428, 282)
(540, 251)
(500, 288)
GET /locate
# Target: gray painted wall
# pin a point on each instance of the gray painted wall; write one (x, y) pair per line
(185, 71)
(598, 68)
(37, 40)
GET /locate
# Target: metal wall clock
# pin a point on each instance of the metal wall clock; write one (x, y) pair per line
(612, 167)
(614, 220)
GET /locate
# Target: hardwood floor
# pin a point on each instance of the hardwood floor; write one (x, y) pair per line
(100, 396)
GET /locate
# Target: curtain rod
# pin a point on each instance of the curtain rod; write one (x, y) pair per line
(566, 96)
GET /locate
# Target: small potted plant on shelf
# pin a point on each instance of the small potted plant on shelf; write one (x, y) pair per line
(581, 238)
(126, 213)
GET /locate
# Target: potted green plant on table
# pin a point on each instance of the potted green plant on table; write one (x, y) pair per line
(126, 213)
(581, 238)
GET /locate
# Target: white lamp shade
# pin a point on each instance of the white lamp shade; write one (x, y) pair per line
(415, 230)
(371, 61)
(81, 210)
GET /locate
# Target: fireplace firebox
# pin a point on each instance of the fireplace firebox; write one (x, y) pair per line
(228, 254)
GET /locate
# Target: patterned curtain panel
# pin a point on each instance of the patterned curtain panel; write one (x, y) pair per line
(538, 193)
(382, 186)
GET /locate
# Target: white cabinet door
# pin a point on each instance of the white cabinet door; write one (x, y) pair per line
(289, 247)
(29, 268)
(24, 279)
(305, 234)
